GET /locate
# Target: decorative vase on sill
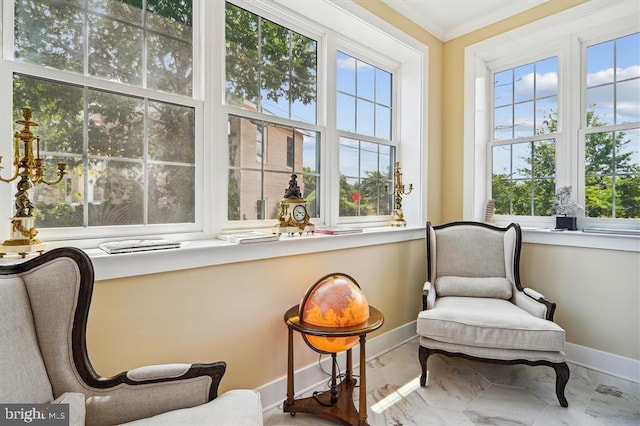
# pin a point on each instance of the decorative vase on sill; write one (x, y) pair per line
(565, 209)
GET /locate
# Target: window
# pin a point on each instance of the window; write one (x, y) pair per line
(563, 109)
(270, 72)
(130, 154)
(525, 121)
(363, 116)
(612, 133)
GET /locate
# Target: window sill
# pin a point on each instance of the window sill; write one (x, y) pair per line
(581, 239)
(202, 253)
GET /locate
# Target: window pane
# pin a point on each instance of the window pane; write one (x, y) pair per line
(241, 56)
(628, 57)
(613, 82)
(257, 182)
(370, 112)
(501, 157)
(600, 64)
(523, 120)
(49, 33)
(346, 73)
(115, 50)
(171, 194)
(383, 122)
(503, 88)
(173, 19)
(383, 87)
(270, 68)
(121, 187)
(600, 105)
(346, 112)
(523, 83)
(169, 65)
(523, 181)
(628, 101)
(62, 205)
(116, 125)
(544, 159)
(547, 115)
(130, 11)
(547, 77)
(365, 81)
(364, 121)
(503, 127)
(612, 174)
(171, 132)
(521, 160)
(365, 178)
(349, 157)
(117, 153)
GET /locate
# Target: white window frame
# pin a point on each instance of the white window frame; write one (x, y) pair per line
(81, 236)
(562, 34)
(329, 21)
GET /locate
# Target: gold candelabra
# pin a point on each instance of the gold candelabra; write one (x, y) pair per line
(30, 169)
(398, 192)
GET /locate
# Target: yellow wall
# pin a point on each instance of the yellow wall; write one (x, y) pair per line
(235, 312)
(597, 294)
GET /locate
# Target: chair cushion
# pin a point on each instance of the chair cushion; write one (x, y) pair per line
(484, 322)
(24, 376)
(235, 407)
(496, 287)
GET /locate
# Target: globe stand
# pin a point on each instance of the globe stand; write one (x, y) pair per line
(336, 404)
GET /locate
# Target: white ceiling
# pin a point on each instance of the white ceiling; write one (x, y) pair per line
(448, 19)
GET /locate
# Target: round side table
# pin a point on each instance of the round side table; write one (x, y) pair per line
(337, 403)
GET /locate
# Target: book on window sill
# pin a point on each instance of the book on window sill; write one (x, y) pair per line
(249, 237)
(131, 246)
(338, 231)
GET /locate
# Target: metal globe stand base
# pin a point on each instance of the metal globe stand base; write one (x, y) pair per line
(22, 241)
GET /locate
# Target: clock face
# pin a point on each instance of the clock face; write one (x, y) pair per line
(299, 213)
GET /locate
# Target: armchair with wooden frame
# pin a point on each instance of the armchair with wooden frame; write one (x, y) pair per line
(474, 304)
(44, 306)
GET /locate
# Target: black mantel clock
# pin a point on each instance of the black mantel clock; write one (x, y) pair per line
(293, 217)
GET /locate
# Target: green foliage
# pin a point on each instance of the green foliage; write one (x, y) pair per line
(266, 60)
(612, 176)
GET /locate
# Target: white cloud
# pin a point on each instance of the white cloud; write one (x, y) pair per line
(606, 76)
(547, 84)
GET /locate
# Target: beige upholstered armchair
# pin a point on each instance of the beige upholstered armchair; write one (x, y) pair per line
(474, 305)
(44, 304)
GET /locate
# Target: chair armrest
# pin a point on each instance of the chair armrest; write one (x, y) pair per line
(156, 372)
(428, 296)
(535, 303)
(151, 390)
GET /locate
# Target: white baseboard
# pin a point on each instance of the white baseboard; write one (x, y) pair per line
(312, 376)
(605, 362)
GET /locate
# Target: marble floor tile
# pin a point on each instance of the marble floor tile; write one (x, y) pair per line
(464, 392)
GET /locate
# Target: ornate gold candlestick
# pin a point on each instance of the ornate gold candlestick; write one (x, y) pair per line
(398, 192)
(30, 169)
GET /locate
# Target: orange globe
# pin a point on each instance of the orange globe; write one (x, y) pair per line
(336, 300)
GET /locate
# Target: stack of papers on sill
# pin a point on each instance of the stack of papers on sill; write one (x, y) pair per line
(338, 231)
(130, 246)
(249, 237)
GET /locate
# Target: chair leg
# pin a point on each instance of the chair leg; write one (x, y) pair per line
(423, 355)
(562, 377)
